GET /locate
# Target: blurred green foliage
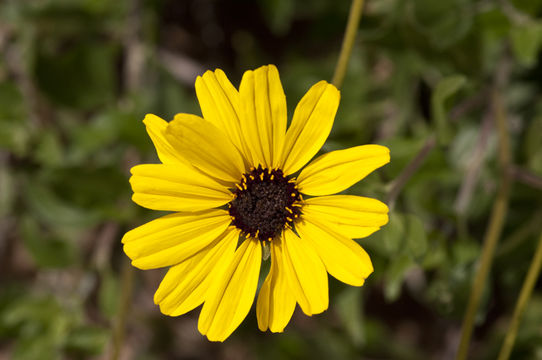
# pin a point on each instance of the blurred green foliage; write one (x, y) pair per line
(78, 76)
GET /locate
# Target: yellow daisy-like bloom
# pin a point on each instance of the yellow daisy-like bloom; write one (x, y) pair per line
(229, 178)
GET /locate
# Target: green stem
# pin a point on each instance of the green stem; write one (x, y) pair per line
(348, 42)
(524, 296)
(125, 302)
(496, 223)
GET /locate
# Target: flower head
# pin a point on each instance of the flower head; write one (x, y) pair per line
(230, 179)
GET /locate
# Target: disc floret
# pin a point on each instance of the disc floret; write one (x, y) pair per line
(265, 202)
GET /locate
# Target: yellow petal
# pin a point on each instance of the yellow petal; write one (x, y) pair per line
(310, 127)
(275, 304)
(351, 216)
(263, 115)
(156, 128)
(176, 188)
(185, 285)
(264, 303)
(338, 170)
(306, 274)
(219, 102)
(171, 239)
(343, 258)
(206, 147)
(231, 295)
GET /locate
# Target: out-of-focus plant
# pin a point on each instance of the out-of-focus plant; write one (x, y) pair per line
(77, 76)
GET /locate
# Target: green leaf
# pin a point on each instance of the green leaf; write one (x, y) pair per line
(40, 347)
(15, 137)
(395, 275)
(443, 91)
(443, 22)
(349, 305)
(531, 7)
(14, 125)
(46, 205)
(279, 14)
(416, 240)
(436, 257)
(49, 151)
(11, 103)
(7, 195)
(21, 311)
(494, 24)
(465, 251)
(80, 193)
(526, 42)
(46, 250)
(390, 239)
(109, 294)
(81, 75)
(87, 340)
(393, 233)
(45, 328)
(89, 139)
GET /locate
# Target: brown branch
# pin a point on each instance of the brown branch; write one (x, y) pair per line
(39, 113)
(458, 111)
(468, 105)
(181, 67)
(104, 241)
(134, 48)
(473, 170)
(409, 170)
(525, 176)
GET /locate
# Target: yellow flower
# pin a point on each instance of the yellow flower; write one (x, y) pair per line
(229, 178)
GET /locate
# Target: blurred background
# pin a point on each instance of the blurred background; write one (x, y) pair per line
(425, 78)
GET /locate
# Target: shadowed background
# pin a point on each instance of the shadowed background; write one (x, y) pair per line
(78, 76)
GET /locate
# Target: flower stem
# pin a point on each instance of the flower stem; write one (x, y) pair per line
(127, 282)
(525, 294)
(348, 42)
(493, 232)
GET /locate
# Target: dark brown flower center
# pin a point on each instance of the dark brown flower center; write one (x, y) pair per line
(265, 202)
